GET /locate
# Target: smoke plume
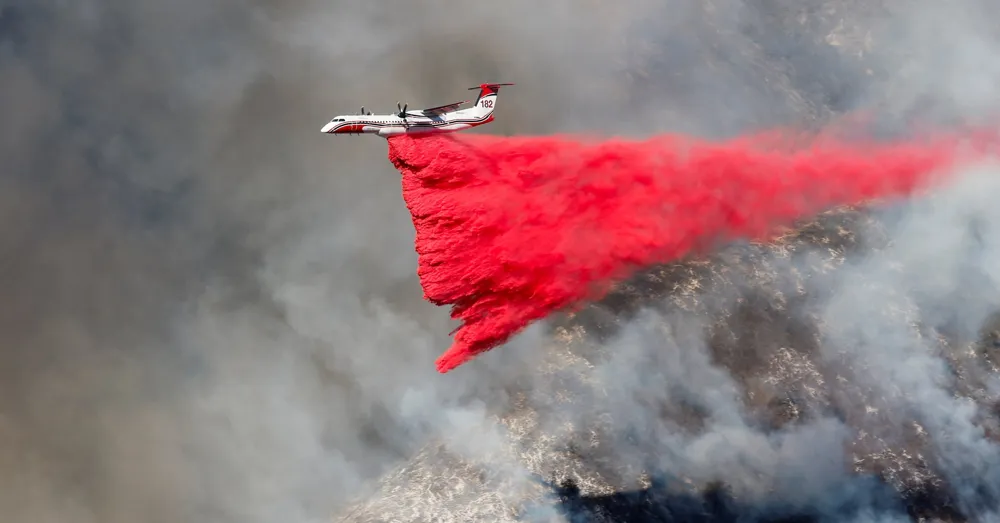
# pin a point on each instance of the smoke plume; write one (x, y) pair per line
(211, 311)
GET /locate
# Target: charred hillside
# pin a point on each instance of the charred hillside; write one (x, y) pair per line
(844, 370)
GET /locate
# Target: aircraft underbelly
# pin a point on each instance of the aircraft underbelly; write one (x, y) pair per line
(391, 131)
(418, 129)
(422, 129)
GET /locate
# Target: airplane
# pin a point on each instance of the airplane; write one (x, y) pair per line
(443, 119)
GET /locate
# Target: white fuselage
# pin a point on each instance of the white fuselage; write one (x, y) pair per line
(415, 122)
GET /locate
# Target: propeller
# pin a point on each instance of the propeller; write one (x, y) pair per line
(402, 110)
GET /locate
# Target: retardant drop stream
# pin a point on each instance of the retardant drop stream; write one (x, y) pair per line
(510, 230)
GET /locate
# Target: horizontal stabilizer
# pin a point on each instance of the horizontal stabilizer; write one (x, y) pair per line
(486, 86)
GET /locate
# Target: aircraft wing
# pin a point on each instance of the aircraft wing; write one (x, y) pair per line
(434, 111)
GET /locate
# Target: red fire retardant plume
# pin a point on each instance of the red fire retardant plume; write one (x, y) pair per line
(509, 230)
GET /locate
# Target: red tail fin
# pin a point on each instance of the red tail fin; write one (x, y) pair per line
(486, 89)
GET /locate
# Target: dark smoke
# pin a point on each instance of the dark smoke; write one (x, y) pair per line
(192, 272)
(211, 312)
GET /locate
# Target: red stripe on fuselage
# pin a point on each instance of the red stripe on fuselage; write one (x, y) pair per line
(352, 128)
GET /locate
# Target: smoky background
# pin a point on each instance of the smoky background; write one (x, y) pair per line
(210, 311)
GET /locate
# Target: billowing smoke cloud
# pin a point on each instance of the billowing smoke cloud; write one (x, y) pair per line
(894, 372)
(202, 291)
(210, 310)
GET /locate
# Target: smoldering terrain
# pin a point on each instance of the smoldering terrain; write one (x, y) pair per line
(210, 311)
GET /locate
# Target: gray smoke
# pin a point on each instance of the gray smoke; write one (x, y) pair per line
(894, 367)
(210, 310)
(942, 263)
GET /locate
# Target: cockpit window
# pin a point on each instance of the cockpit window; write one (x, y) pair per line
(338, 120)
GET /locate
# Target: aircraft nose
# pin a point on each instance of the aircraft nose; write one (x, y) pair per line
(327, 127)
